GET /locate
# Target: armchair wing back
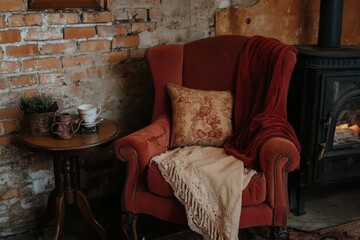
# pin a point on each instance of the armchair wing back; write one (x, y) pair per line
(208, 64)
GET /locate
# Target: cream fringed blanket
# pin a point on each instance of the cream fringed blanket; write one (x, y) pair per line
(209, 183)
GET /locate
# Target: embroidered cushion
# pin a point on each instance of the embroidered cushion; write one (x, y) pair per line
(200, 117)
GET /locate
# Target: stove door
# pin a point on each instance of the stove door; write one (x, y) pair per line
(339, 135)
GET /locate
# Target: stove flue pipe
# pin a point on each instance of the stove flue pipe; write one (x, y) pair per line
(330, 22)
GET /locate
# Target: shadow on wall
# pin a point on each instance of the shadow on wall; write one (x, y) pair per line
(135, 95)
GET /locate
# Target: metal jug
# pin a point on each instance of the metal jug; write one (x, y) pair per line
(64, 126)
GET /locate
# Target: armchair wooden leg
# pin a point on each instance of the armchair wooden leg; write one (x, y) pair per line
(129, 226)
(280, 233)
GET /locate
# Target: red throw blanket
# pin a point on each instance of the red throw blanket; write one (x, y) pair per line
(260, 99)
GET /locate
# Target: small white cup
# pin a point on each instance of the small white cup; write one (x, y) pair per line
(89, 112)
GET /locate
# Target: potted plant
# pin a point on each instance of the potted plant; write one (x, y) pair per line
(39, 112)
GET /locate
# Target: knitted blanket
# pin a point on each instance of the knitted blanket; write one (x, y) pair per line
(209, 183)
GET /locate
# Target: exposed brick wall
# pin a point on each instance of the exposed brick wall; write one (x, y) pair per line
(81, 57)
(78, 57)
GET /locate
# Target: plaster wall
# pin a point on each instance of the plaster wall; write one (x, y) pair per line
(293, 22)
(181, 21)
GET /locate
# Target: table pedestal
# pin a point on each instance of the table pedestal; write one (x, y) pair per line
(66, 192)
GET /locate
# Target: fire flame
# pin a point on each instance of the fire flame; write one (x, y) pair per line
(345, 133)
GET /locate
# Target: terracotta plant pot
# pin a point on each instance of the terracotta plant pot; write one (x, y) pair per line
(39, 123)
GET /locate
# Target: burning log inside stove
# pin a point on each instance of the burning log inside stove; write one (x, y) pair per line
(345, 133)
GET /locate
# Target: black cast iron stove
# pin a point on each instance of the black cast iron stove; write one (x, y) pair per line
(324, 106)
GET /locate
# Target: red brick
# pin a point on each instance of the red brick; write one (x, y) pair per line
(11, 5)
(98, 72)
(51, 78)
(8, 126)
(115, 56)
(90, 17)
(95, 45)
(133, 13)
(41, 64)
(22, 81)
(80, 32)
(3, 84)
(118, 29)
(29, 92)
(37, 34)
(137, 53)
(10, 138)
(63, 18)
(151, 26)
(59, 48)
(8, 67)
(140, 14)
(138, 27)
(76, 61)
(77, 75)
(155, 14)
(10, 112)
(20, 20)
(10, 36)
(2, 21)
(24, 50)
(109, 4)
(76, 88)
(126, 41)
(12, 193)
(122, 14)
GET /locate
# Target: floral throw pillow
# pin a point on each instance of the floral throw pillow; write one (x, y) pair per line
(200, 117)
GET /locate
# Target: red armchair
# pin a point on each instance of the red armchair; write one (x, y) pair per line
(208, 64)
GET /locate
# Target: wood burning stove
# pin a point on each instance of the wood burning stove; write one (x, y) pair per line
(324, 106)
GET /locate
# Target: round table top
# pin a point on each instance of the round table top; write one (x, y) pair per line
(108, 130)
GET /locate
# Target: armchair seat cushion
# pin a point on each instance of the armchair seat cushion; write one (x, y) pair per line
(254, 193)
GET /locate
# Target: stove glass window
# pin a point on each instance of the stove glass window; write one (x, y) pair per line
(348, 124)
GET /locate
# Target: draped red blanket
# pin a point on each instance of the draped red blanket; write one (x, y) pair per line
(260, 99)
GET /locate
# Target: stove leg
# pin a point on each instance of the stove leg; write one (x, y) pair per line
(296, 194)
(300, 201)
(280, 233)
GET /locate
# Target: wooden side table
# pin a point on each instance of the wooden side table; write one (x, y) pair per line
(65, 154)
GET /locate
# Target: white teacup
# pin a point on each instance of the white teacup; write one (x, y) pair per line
(89, 112)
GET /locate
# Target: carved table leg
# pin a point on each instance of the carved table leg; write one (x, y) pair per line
(55, 205)
(85, 211)
(66, 192)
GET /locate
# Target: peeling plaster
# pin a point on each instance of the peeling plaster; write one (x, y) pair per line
(182, 21)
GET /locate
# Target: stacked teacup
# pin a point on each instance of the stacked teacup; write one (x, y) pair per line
(89, 115)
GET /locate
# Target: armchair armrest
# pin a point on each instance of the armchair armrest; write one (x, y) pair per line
(136, 150)
(278, 157)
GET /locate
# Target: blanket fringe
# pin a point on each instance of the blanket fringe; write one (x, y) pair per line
(200, 217)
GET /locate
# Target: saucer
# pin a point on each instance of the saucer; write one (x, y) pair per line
(84, 130)
(93, 123)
